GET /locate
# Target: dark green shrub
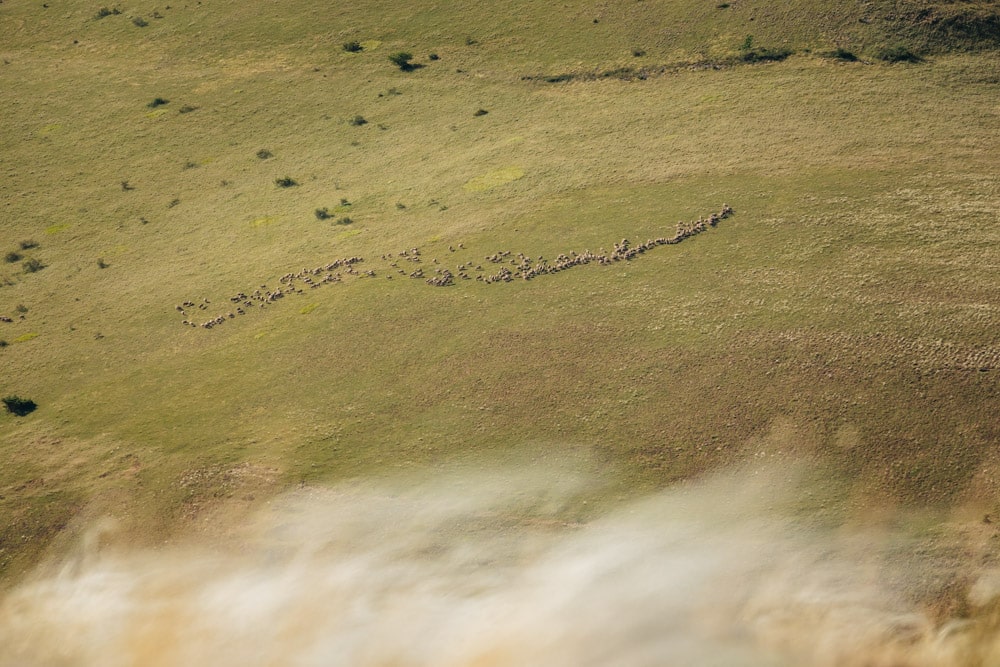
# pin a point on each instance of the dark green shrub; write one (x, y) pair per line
(724, 5)
(139, 22)
(344, 201)
(747, 43)
(33, 265)
(173, 202)
(842, 54)
(480, 112)
(104, 11)
(357, 121)
(264, 154)
(898, 54)
(187, 108)
(638, 53)
(101, 264)
(285, 182)
(19, 406)
(765, 55)
(352, 47)
(126, 186)
(434, 56)
(28, 244)
(158, 102)
(12, 256)
(401, 59)
(3, 343)
(344, 221)
(323, 213)
(21, 308)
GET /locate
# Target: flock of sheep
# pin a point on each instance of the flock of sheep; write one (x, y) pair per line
(524, 267)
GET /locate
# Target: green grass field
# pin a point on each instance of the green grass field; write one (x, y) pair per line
(846, 314)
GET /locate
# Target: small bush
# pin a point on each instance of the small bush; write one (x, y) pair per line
(322, 213)
(101, 264)
(33, 265)
(357, 121)
(158, 102)
(434, 56)
(173, 202)
(190, 164)
(264, 154)
(28, 244)
(747, 43)
(401, 59)
(842, 54)
(104, 11)
(765, 55)
(344, 221)
(19, 406)
(187, 108)
(352, 47)
(724, 5)
(21, 308)
(898, 54)
(344, 201)
(285, 182)
(638, 53)
(3, 343)
(480, 112)
(12, 256)
(139, 22)
(400, 206)
(126, 186)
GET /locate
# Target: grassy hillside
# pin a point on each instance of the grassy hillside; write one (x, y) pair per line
(847, 312)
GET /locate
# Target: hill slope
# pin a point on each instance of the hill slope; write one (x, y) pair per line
(846, 312)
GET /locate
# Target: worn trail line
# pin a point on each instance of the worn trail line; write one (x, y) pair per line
(524, 267)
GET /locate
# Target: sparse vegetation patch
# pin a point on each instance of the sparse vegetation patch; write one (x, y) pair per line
(106, 11)
(762, 55)
(33, 265)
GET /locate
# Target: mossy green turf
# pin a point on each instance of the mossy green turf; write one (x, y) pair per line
(844, 313)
